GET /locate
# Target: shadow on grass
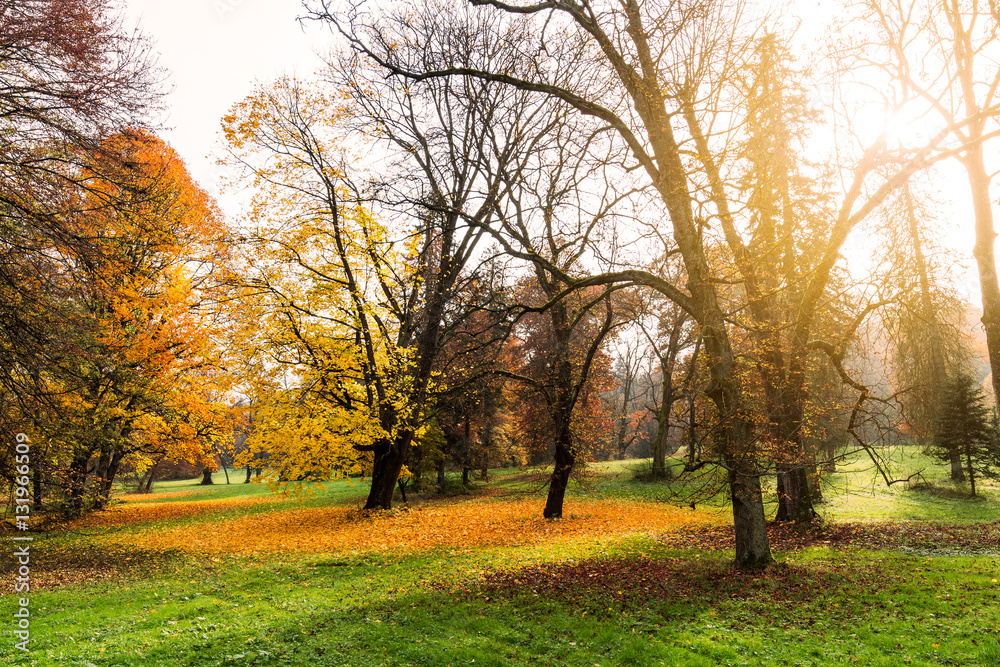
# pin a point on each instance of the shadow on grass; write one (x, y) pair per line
(600, 584)
(60, 563)
(627, 610)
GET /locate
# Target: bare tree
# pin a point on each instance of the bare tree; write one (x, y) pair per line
(942, 55)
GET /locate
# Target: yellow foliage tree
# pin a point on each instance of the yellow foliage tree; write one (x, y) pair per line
(324, 293)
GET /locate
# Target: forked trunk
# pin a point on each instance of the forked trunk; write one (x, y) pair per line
(107, 480)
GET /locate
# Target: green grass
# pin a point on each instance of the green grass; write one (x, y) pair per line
(655, 606)
(192, 489)
(428, 610)
(858, 493)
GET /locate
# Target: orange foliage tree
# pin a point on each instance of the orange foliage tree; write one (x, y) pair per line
(559, 372)
(139, 373)
(70, 76)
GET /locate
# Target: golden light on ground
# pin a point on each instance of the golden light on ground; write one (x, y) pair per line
(452, 524)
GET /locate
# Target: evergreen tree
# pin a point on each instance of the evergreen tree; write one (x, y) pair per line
(964, 427)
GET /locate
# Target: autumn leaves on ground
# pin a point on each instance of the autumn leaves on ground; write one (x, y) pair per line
(632, 575)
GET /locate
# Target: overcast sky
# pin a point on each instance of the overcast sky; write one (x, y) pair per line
(214, 50)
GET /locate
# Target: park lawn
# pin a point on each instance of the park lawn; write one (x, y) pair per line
(482, 581)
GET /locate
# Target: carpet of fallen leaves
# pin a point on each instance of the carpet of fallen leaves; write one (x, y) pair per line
(972, 538)
(444, 524)
(473, 523)
(159, 496)
(631, 581)
(636, 581)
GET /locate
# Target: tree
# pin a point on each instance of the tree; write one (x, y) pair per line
(927, 340)
(560, 368)
(70, 77)
(941, 52)
(356, 300)
(145, 369)
(963, 426)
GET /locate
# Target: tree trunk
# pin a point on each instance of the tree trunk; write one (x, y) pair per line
(222, 461)
(795, 495)
(388, 464)
(957, 471)
(972, 474)
(77, 482)
(659, 444)
(620, 444)
(795, 489)
(149, 479)
(152, 476)
(562, 410)
(247, 480)
(107, 480)
(206, 477)
(692, 433)
(564, 461)
(979, 186)
(142, 481)
(37, 484)
(753, 551)
(103, 461)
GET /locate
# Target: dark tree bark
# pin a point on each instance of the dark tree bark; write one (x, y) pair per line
(107, 479)
(972, 472)
(36, 477)
(77, 482)
(440, 474)
(559, 480)
(206, 476)
(150, 477)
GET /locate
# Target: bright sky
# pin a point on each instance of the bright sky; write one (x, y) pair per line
(214, 51)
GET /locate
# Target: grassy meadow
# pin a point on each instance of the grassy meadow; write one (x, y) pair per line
(633, 575)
